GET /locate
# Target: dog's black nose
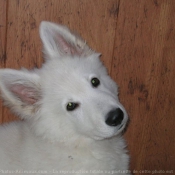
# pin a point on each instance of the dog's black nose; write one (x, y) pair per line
(114, 117)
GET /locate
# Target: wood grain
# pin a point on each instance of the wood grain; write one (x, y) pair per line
(3, 5)
(144, 67)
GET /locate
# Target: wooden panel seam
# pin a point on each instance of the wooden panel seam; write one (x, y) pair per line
(117, 16)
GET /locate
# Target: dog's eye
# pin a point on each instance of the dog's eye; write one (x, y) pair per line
(95, 82)
(71, 106)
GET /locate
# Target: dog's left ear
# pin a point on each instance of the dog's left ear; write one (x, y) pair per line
(59, 41)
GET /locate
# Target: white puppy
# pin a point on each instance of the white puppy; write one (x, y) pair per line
(72, 117)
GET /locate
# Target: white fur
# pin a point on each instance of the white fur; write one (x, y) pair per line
(51, 139)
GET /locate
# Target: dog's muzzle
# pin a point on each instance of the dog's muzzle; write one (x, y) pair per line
(114, 117)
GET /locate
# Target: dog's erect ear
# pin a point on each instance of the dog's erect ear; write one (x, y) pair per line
(20, 91)
(59, 41)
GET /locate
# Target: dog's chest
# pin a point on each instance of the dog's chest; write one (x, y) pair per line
(79, 159)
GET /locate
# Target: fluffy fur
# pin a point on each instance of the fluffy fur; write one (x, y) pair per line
(50, 139)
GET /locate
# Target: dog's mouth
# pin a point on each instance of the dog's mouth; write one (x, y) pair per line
(122, 127)
(117, 130)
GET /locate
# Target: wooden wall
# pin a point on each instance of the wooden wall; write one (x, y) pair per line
(137, 40)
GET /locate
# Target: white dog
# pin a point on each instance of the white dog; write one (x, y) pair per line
(72, 118)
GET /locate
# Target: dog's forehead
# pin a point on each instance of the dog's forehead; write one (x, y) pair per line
(70, 65)
(71, 74)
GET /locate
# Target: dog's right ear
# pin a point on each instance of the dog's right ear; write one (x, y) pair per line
(59, 41)
(21, 91)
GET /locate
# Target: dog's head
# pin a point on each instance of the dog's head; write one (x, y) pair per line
(71, 95)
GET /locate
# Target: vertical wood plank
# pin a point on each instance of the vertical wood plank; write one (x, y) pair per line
(3, 4)
(144, 67)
